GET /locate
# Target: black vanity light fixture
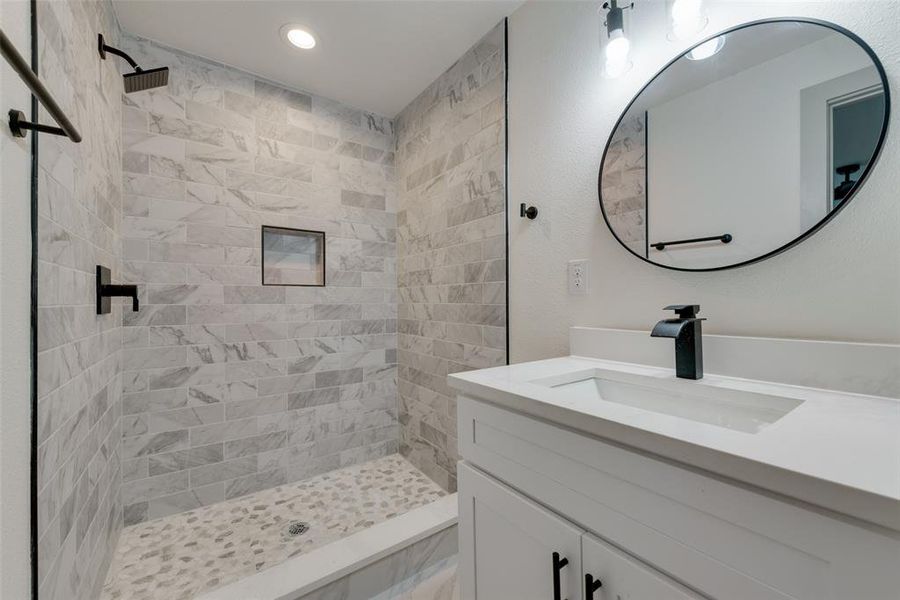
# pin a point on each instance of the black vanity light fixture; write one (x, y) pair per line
(617, 48)
(140, 80)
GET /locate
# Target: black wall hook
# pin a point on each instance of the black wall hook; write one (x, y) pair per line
(106, 291)
(531, 212)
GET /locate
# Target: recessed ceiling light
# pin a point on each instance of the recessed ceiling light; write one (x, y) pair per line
(707, 49)
(298, 36)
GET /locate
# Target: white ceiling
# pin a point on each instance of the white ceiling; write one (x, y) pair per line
(744, 48)
(377, 55)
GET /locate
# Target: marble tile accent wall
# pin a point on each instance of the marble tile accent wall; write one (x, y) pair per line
(623, 185)
(79, 352)
(231, 387)
(451, 247)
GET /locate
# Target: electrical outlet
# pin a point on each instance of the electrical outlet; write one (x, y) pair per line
(578, 277)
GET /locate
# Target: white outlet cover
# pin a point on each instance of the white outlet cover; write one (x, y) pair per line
(578, 277)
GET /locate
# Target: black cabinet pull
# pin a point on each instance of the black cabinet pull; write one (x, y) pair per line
(558, 564)
(591, 585)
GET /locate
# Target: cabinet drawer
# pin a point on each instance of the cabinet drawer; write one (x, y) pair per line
(623, 578)
(726, 541)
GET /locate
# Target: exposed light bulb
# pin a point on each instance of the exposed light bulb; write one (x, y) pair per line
(707, 49)
(687, 18)
(617, 47)
(617, 51)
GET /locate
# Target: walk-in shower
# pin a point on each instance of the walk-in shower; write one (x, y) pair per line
(272, 393)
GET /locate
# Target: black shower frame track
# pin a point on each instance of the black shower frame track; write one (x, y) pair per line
(506, 165)
(33, 525)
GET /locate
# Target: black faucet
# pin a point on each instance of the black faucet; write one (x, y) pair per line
(688, 339)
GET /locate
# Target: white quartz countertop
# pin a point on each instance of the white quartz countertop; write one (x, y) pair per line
(837, 450)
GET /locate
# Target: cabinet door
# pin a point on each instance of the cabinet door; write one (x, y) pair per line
(622, 577)
(507, 545)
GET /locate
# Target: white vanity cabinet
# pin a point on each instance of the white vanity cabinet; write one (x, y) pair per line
(514, 542)
(522, 551)
(646, 528)
(621, 577)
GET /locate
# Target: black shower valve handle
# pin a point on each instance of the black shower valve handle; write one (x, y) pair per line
(125, 291)
(106, 291)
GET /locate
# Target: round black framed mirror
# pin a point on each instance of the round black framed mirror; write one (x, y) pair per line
(744, 145)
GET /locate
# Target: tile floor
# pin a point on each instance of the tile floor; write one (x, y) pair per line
(178, 557)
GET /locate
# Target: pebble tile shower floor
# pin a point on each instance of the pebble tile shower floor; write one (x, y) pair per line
(183, 555)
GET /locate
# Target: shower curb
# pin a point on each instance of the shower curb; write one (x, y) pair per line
(361, 565)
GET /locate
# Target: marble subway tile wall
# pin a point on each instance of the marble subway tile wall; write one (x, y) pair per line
(79, 352)
(624, 182)
(452, 249)
(230, 386)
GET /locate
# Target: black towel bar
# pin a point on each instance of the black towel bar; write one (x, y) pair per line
(724, 238)
(17, 123)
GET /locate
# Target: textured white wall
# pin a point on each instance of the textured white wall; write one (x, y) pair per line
(842, 284)
(15, 298)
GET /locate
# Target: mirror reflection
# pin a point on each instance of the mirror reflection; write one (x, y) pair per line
(742, 145)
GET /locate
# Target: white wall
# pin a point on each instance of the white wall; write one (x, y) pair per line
(842, 284)
(15, 303)
(726, 158)
(817, 176)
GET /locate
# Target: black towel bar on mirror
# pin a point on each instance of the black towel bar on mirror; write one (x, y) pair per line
(724, 238)
(18, 125)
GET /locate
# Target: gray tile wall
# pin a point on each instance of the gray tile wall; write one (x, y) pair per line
(451, 247)
(231, 386)
(79, 352)
(219, 386)
(623, 184)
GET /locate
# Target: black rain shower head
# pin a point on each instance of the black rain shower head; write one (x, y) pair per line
(140, 80)
(144, 80)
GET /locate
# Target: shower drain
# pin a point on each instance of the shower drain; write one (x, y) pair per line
(297, 528)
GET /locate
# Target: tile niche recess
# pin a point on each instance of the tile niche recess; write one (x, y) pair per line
(293, 256)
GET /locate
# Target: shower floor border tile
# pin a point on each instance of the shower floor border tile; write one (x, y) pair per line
(183, 555)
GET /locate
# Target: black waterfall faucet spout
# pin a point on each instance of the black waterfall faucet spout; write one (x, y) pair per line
(106, 291)
(688, 335)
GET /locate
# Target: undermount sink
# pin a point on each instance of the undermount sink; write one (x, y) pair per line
(748, 412)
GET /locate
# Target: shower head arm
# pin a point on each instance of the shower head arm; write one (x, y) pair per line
(104, 49)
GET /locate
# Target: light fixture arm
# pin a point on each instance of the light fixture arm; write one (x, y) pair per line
(615, 16)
